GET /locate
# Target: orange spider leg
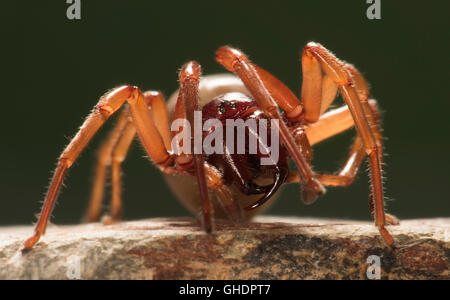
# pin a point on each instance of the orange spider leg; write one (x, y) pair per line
(318, 90)
(160, 116)
(347, 174)
(370, 106)
(118, 156)
(330, 124)
(357, 153)
(179, 111)
(373, 118)
(158, 112)
(301, 139)
(235, 61)
(329, 92)
(103, 162)
(108, 104)
(183, 160)
(118, 142)
(289, 103)
(342, 77)
(189, 82)
(147, 131)
(284, 97)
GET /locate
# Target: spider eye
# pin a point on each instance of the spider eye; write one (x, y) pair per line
(222, 108)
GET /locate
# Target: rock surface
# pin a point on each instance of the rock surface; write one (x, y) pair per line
(269, 248)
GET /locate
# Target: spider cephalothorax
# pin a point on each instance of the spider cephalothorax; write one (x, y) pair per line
(243, 169)
(235, 185)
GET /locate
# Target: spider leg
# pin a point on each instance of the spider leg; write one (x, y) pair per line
(158, 112)
(284, 97)
(189, 82)
(235, 61)
(318, 90)
(118, 156)
(370, 107)
(351, 86)
(290, 104)
(225, 197)
(347, 175)
(107, 105)
(373, 117)
(104, 156)
(113, 152)
(330, 124)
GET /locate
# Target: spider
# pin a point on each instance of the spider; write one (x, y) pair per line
(235, 186)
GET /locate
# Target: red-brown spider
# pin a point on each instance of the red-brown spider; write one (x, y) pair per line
(240, 183)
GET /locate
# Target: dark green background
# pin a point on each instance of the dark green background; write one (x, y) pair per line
(55, 69)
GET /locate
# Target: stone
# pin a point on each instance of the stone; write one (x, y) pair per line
(268, 248)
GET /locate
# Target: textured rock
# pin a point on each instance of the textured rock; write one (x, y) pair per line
(269, 248)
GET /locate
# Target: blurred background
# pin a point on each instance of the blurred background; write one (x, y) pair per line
(55, 69)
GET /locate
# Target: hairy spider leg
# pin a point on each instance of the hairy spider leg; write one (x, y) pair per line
(329, 125)
(107, 105)
(315, 55)
(235, 61)
(104, 160)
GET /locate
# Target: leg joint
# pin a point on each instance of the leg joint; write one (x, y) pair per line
(65, 162)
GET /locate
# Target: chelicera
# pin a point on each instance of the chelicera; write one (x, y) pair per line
(235, 186)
